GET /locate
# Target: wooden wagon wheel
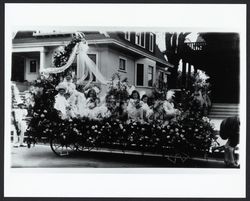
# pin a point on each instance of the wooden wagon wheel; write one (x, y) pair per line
(60, 148)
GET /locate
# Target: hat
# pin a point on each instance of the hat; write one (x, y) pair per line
(170, 94)
(20, 103)
(131, 89)
(60, 86)
(142, 93)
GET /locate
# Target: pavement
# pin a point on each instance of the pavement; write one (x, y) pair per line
(41, 156)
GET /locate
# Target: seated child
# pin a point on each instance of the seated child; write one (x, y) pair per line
(169, 108)
(61, 104)
(122, 111)
(147, 111)
(91, 104)
(134, 107)
(68, 82)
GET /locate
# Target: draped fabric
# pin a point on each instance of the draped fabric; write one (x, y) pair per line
(56, 70)
(86, 66)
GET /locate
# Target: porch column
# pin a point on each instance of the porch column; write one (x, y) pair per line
(189, 76)
(195, 70)
(42, 60)
(184, 74)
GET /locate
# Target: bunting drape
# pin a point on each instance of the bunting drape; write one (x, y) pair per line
(86, 66)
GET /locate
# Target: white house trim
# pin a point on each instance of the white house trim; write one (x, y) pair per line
(151, 42)
(39, 44)
(26, 47)
(110, 41)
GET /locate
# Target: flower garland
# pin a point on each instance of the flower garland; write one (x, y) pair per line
(62, 56)
(189, 134)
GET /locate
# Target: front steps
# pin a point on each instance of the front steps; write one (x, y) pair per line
(223, 110)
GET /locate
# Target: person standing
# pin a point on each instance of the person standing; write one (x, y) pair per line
(230, 131)
(19, 115)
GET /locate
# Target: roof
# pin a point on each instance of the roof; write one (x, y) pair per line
(92, 38)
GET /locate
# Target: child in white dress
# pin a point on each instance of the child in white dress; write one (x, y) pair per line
(61, 104)
(169, 108)
(134, 108)
(147, 111)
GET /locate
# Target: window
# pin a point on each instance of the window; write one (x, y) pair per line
(93, 58)
(161, 80)
(140, 39)
(151, 42)
(139, 75)
(122, 64)
(150, 75)
(127, 35)
(137, 38)
(33, 64)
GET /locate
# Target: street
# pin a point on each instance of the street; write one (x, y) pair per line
(41, 156)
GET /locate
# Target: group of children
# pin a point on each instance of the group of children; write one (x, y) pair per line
(71, 104)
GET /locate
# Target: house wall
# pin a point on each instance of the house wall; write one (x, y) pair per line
(49, 53)
(108, 64)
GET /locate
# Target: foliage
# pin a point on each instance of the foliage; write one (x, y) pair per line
(118, 88)
(61, 57)
(189, 134)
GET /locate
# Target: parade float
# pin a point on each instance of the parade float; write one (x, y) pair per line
(189, 134)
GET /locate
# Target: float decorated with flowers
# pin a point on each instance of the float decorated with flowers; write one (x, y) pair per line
(74, 117)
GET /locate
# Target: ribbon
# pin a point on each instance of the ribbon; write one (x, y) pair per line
(86, 65)
(56, 70)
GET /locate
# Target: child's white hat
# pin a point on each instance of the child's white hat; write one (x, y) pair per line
(20, 103)
(170, 94)
(60, 86)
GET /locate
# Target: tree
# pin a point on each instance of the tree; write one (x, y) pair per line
(175, 51)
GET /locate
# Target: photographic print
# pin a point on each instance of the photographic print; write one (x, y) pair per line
(131, 100)
(125, 99)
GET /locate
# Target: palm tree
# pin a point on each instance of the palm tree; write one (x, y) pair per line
(175, 51)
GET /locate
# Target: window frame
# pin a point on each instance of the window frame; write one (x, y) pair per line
(162, 81)
(139, 43)
(136, 74)
(152, 73)
(122, 58)
(151, 42)
(127, 35)
(31, 72)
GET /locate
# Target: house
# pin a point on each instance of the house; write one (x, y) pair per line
(218, 54)
(134, 55)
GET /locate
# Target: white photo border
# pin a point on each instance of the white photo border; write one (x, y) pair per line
(126, 182)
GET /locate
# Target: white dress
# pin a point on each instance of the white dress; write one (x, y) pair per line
(61, 105)
(148, 111)
(69, 86)
(133, 112)
(169, 109)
